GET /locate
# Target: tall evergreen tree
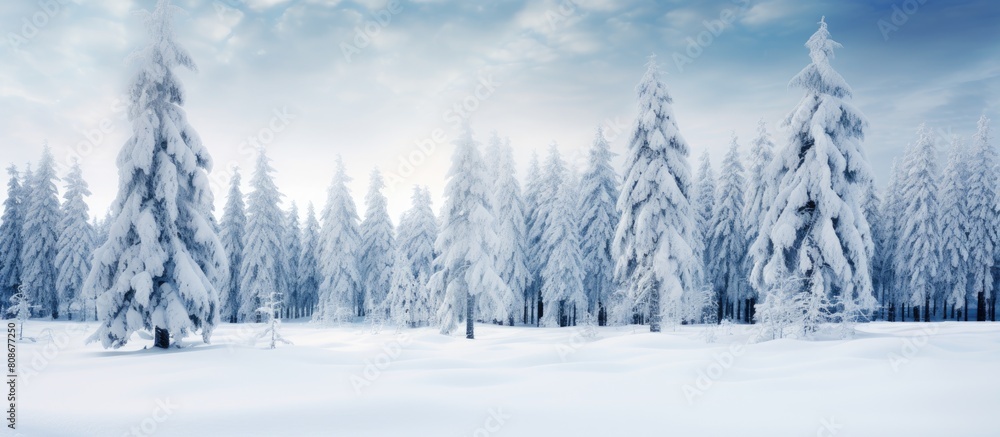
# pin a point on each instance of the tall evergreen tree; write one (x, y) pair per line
(816, 231)
(308, 275)
(655, 260)
(158, 266)
(340, 292)
(954, 225)
(888, 232)
(984, 210)
(563, 274)
(378, 246)
(11, 226)
(759, 192)
(410, 300)
(263, 269)
(704, 207)
(727, 242)
(598, 219)
(553, 177)
(75, 244)
(533, 229)
(919, 232)
(292, 248)
(41, 235)
(511, 251)
(467, 241)
(234, 226)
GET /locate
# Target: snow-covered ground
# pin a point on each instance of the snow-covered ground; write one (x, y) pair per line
(892, 379)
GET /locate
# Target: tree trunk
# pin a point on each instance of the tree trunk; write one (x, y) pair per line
(654, 307)
(927, 308)
(161, 338)
(981, 307)
(470, 314)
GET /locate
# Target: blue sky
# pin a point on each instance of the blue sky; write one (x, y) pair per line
(538, 72)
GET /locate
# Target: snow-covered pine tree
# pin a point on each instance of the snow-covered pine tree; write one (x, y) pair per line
(984, 218)
(727, 243)
(562, 277)
(234, 225)
(157, 268)
(553, 176)
(816, 228)
(954, 225)
(268, 313)
(292, 249)
(533, 237)
(378, 246)
(10, 239)
(409, 299)
(888, 291)
(340, 246)
(655, 261)
(598, 219)
(759, 192)
(512, 250)
(263, 269)
(75, 244)
(308, 277)
(40, 238)
(467, 241)
(704, 207)
(919, 230)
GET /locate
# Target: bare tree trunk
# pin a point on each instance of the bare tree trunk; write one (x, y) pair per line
(981, 307)
(654, 307)
(161, 338)
(470, 314)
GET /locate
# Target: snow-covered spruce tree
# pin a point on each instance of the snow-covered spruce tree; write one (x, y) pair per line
(553, 177)
(759, 193)
(157, 267)
(954, 225)
(655, 261)
(511, 250)
(75, 244)
(984, 217)
(816, 228)
(888, 291)
(40, 238)
(378, 246)
(340, 245)
(727, 243)
(292, 248)
(409, 299)
(308, 277)
(533, 236)
(268, 313)
(234, 225)
(704, 207)
(598, 219)
(467, 241)
(919, 230)
(562, 277)
(263, 269)
(10, 239)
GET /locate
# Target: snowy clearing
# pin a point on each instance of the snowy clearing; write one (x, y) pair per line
(892, 379)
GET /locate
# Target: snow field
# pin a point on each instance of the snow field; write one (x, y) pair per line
(891, 379)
